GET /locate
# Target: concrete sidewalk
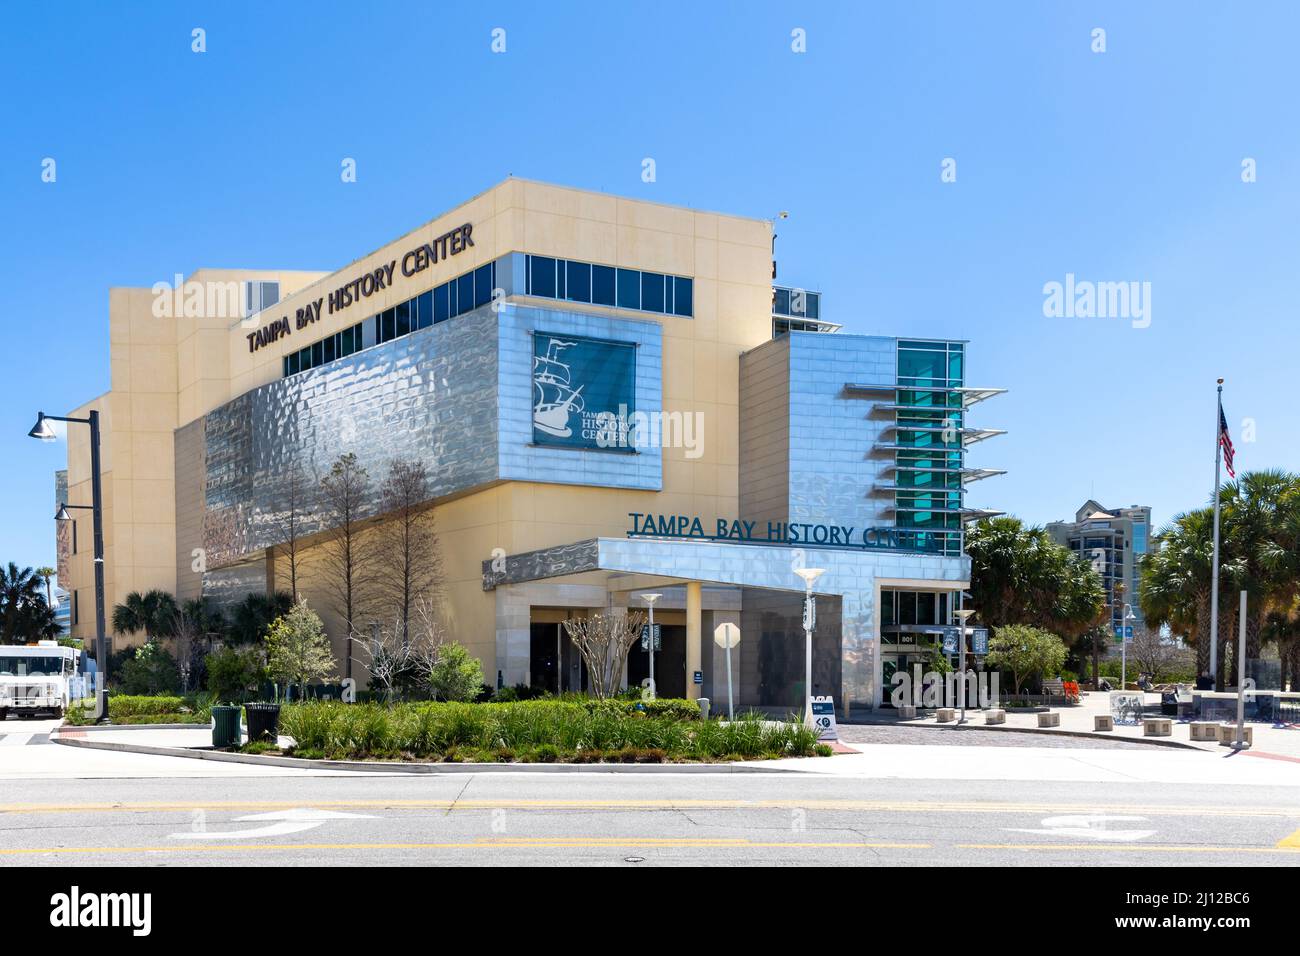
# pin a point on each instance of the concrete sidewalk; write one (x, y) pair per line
(1282, 743)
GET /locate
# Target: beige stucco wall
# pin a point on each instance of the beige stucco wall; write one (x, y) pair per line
(167, 374)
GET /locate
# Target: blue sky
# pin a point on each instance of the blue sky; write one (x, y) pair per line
(1116, 166)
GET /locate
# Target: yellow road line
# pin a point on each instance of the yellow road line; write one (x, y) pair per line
(1141, 847)
(512, 844)
(903, 806)
(1290, 843)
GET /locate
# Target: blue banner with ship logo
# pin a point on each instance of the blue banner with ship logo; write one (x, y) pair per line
(583, 391)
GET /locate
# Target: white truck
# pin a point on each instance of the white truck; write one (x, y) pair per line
(37, 678)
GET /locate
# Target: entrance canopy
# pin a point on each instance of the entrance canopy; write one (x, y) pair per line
(570, 575)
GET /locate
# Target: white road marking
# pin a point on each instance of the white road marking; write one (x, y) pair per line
(1089, 827)
(14, 740)
(285, 821)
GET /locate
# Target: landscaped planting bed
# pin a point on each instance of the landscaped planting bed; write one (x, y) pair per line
(568, 731)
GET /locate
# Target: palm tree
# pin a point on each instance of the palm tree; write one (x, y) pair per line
(253, 615)
(47, 572)
(1257, 557)
(1019, 575)
(153, 612)
(24, 613)
(1259, 553)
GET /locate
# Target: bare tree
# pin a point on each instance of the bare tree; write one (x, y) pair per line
(603, 640)
(1157, 656)
(192, 633)
(298, 512)
(386, 658)
(408, 542)
(343, 495)
(398, 657)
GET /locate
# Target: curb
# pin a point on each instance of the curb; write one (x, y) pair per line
(376, 766)
(98, 727)
(1048, 731)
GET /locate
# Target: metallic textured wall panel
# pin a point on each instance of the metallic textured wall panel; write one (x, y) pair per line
(429, 396)
(544, 563)
(457, 396)
(225, 587)
(832, 433)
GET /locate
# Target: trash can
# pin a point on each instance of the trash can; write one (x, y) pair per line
(263, 721)
(225, 726)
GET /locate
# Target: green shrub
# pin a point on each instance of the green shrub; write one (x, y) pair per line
(135, 705)
(235, 675)
(543, 730)
(150, 670)
(457, 675)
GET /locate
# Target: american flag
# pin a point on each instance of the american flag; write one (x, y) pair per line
(1225, 442)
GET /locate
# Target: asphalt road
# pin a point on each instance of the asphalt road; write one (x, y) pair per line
(645, 820)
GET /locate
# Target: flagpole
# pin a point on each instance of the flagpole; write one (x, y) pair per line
(1214, 563)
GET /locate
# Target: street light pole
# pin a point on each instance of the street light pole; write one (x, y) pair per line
(1125, 617)
(809, 575)
(650, 601)
(964, 616)
(41, 430)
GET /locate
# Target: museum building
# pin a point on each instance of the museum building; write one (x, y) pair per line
(610, 397)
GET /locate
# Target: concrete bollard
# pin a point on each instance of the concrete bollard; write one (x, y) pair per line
(705, 705)
(1157, 727)
(1049, 719)
(995, 715)
(1103, 722)
(906, 712)
(945, 715)
(1206, 731)
(1228, 735)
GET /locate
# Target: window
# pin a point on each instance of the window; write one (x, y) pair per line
(483, 285)
(260, 295)
(602, 285)
(541, 276)
(465, 292)
(424, 310)
(605, 285)
(629, 289)
(652, 292)
(579, 282)
(442, 303)
(684, 300)
(452, 298)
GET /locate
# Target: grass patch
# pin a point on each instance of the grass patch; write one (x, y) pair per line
(539, 731)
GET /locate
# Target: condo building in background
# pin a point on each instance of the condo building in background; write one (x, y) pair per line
(1113, 541)
(610, 397)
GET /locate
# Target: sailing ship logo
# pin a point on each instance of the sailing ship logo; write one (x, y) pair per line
(554, 397)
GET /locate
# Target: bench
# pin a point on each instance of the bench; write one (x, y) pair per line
(945, 715)
(906, 712)
(1049, 720)
(995, 715)
(1157, 727)
(1103, 722)
(1067, 692)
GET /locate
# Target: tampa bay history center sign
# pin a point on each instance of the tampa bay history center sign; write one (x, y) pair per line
(739, 531)
(583, 391)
